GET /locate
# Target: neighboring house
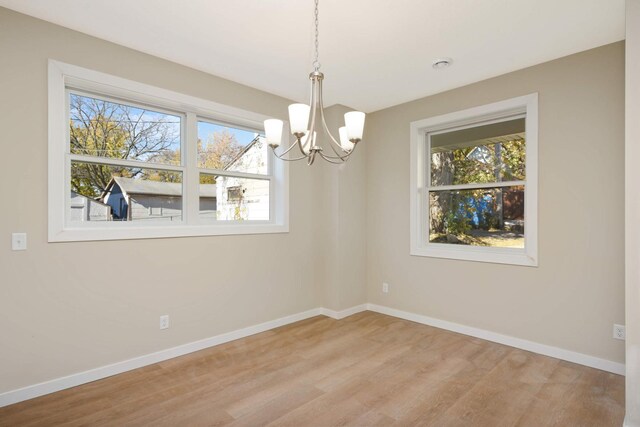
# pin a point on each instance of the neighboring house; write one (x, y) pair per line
(231, 198)
(138, 199)
(243, 198)
(82, 208)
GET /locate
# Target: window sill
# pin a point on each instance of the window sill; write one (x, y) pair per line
(81, 234)
(476, 253)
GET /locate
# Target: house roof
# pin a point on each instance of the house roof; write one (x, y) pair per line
(76, 198)
(133, 186)
(484, 134)
(242, 152)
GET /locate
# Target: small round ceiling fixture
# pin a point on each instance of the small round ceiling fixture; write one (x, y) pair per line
(441, 63)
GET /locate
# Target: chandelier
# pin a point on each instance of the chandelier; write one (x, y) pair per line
(304, 118)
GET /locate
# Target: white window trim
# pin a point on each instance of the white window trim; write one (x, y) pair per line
(420, 246)
(61, 75)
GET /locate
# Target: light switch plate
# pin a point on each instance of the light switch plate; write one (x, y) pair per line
(164, 321)
(19, 241)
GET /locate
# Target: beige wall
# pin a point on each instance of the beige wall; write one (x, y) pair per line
(576, 294)
(632, 178)
(69, 307)
(344, 281)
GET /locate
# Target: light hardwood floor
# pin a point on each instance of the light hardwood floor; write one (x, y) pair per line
(366, 370)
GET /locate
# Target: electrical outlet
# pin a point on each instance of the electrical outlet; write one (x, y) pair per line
(19, 241)
(385, 287)
(619, 332)
(164, 321)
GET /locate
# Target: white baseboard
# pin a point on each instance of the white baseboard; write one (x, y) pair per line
(343, 313)
(32, 391)
(546, 350)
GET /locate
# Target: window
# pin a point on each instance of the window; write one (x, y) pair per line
(474, 184)
(128, 160)
(235, 193)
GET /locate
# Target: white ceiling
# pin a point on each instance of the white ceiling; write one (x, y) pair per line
(374, 53)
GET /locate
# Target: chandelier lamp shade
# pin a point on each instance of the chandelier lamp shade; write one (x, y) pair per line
(306, 120)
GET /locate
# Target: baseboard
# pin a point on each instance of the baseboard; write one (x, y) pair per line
(627, 423)
(343, 313)
(32, 391)
(546, 350)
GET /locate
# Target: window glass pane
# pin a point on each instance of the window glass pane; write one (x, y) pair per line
(108, 129)
(479, 217)
(115, 193)
(225, 198)
(486, 153)
(227, 148)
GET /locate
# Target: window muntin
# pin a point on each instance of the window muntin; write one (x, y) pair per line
(75, 217)
(476, 184)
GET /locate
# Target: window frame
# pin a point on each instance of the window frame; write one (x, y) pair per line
(64, 78)
(420, 185)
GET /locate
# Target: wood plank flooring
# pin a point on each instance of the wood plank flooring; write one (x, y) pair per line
(366, 370)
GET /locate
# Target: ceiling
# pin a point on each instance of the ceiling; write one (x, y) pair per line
(374, 53)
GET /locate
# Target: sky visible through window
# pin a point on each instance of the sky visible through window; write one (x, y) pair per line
(206, 131)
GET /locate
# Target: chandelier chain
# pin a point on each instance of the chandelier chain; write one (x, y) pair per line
(316, 64)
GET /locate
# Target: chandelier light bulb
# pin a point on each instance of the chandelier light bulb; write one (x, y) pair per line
(299, 117)
(354, 121)
(273, 131)
(344, 139)
(306, 143)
